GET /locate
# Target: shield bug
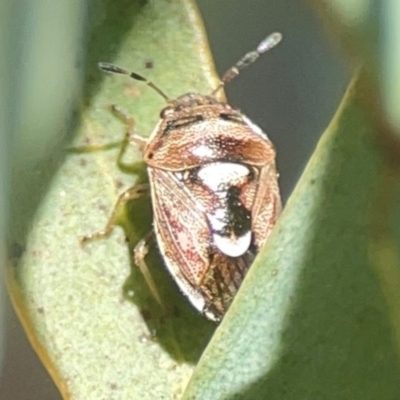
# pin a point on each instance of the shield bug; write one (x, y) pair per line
(214, 191)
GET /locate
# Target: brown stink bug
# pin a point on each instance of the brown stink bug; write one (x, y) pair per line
(214, 191)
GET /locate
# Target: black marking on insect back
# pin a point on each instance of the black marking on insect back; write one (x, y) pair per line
(182, 123)
(238, 219)
(193, 176)
(252, 173)
(232, 118)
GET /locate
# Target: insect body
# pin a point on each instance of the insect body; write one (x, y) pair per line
(214, 191)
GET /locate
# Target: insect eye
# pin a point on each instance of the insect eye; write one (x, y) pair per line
(165, 111)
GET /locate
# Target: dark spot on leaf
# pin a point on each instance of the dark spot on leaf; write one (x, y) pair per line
(149, 64)
(119, 184)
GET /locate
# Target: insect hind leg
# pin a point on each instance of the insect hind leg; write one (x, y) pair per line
(139, 253)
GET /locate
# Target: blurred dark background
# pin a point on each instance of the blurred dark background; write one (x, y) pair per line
(292, 93)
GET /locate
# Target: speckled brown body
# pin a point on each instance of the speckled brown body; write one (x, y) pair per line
(214, 191)
(197, 214)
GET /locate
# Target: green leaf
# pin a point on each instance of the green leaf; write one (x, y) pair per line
(311, 320)
(317, 316)
(88, 311)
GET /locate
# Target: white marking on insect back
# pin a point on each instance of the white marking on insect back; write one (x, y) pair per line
(220, 175)
(255, 128)
(217, 220)
(233, 246)
(202, 151)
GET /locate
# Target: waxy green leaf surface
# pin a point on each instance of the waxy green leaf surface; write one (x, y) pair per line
(88, 311)
(318, 314)
(311, 319)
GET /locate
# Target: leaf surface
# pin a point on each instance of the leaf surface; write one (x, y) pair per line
(311, 319)
(88, 311)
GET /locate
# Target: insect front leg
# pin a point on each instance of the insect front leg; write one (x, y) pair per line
(139, 253)
(130, 194)
(130, 136)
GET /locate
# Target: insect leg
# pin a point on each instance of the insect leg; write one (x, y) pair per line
(130, 194)
(130, 136)
(139, 253)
